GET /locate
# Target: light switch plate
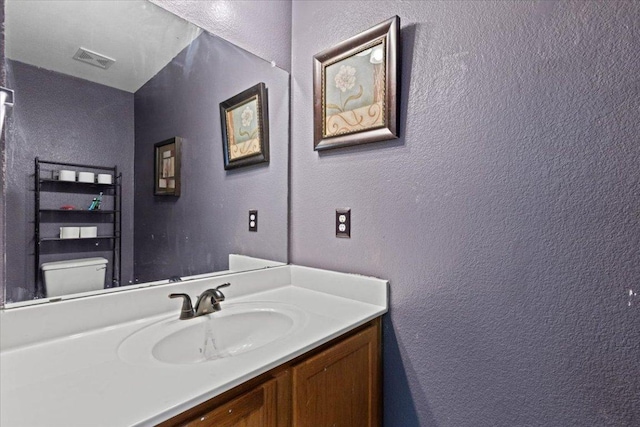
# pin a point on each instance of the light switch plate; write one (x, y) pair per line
(343, 223)
(253, 220)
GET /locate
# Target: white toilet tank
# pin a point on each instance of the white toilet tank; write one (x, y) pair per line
(74, 276)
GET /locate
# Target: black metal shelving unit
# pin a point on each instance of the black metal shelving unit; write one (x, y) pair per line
(45, 182)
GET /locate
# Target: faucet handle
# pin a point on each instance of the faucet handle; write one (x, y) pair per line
(187, 309)
(218, 296)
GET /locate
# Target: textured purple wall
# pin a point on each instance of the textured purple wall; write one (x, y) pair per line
(262, 27)
(506, 216)
(61, 118)
(195, 233)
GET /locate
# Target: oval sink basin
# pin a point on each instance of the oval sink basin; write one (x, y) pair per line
(236, 329)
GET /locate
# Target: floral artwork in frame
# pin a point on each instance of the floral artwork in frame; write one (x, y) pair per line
(356, 90)
(167, 167)
(245, 128)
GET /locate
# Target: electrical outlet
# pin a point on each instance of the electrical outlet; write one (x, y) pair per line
(343, 223)
(253, 220)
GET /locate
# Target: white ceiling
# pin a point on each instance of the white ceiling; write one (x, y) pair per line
(139, 35)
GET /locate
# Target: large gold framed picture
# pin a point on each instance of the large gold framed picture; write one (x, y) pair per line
(356, 89)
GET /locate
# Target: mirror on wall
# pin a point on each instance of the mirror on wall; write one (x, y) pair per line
(99, 86)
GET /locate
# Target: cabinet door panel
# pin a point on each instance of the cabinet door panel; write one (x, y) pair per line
(256, 408)
(339, 387)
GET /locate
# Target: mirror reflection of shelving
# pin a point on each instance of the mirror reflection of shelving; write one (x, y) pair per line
(70, 111)
(70, 224)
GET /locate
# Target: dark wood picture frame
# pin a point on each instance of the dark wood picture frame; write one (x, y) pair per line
(236, 115)
(373, 93)
(166, 171)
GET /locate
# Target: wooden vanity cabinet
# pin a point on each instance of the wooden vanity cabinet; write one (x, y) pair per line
(252, 409)
(340, 386)
(260, 402)
(337, 385)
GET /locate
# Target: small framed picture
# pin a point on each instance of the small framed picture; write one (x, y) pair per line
(167, 167)
(245, 128)
(355, 89)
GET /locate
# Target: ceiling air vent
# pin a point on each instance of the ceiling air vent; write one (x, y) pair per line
(93, 58)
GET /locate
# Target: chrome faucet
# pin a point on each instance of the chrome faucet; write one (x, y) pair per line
(208, 302)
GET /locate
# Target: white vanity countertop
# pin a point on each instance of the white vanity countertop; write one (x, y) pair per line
(78, 377)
